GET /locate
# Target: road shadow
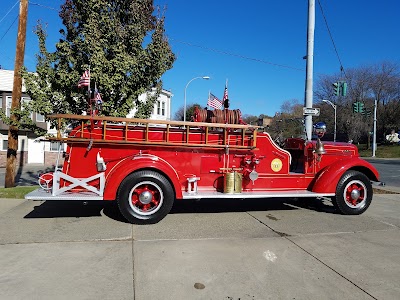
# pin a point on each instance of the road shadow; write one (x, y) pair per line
(315, 204)
(81, 209)
(76, 209)
(244, 205)
(28, 178)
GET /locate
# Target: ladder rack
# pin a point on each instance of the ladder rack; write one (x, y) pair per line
(116, 130)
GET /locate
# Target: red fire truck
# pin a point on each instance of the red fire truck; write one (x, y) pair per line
(146, 165)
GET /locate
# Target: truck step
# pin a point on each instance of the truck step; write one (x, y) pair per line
(41, 194)
(270, 194)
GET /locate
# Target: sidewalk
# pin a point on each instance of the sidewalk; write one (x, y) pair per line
(253, 250)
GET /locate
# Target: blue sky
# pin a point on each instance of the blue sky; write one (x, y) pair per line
(215, 38)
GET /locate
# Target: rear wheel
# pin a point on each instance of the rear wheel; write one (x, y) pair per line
(353, 193)
(145, 197)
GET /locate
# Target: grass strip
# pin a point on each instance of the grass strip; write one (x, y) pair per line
(17, 192)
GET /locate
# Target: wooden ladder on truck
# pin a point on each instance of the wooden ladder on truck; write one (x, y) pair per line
(233, 136)
(122, 131)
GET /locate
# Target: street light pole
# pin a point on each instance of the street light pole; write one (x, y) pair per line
(374, 133)
(334, 108)
(184, 105)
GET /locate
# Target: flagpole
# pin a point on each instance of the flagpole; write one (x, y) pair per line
(89, 102)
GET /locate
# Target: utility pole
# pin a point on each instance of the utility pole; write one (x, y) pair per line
(16, 96)
(308, 101)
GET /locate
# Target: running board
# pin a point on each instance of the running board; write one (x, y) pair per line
(41, 194)
(243, 195)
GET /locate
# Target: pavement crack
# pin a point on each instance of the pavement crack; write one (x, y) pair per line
(331, 268)
(71, 241)
(133, 265)
(287, 237)
(281, 234)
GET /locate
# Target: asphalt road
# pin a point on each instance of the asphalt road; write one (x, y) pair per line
(389, 170)
(28, 175)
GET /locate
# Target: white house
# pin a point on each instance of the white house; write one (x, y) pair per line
(162, 107)
(30, 150)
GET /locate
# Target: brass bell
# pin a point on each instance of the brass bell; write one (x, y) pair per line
(319, 147)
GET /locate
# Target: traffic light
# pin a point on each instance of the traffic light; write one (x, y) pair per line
(358, 107)
(361, 108)
(336, 88)
(340, 88)
(355, 107)
(367, 113)
(343, 90)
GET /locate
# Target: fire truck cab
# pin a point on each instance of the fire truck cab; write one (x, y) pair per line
(146, 165)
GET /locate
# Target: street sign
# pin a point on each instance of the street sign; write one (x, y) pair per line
(310, 111)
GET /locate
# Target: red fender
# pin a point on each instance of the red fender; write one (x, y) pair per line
(129, 165)
(327, 179)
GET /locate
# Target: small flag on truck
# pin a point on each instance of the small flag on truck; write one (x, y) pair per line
(214, 102)
(84, 80)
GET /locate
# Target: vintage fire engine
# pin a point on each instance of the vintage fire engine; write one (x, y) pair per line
(146, 165)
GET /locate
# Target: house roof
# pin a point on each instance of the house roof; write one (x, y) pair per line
(7, 80)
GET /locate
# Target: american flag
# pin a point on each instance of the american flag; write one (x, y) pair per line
(84, 80)
(214, 102)
(98, 98)
(225, 94)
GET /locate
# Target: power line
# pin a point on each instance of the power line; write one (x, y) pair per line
(330, 35)
(44, 6)
(236, 55)
(9, 28)
(9, 11)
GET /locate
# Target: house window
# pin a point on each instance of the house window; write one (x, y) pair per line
(8, 105)
(24, 100)
(5, 145)
(158, 107)
(54, 146)
(39, 117)
(161, 108)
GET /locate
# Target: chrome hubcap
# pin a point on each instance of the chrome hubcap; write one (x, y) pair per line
(145, 197)
(355, 194)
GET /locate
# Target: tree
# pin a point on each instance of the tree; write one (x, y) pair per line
(189, 112)
(365, 84)
(122, 42)
(250, 119)
(385, 87)
(288, 122)
(349, 125)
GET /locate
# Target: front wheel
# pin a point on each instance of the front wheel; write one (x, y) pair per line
(353, 193)
(145, 197)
